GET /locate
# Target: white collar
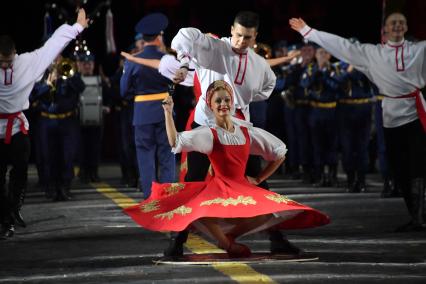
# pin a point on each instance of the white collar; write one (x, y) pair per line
(395, 43)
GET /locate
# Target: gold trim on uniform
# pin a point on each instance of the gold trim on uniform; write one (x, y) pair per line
(151, 97)
(230, 201)
(181, 210)
(57, 115)
(323, 105)
(151, 206)
(354, 101)
(174, 188)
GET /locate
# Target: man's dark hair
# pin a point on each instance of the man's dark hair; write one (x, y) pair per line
(247, 19)
(7, 45)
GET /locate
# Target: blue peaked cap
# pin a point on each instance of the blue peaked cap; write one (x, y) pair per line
(152, 24)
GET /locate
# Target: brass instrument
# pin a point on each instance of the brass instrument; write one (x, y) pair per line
(65, 68)
(263, 50)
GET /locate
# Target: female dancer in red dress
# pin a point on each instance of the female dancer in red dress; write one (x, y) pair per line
(229, 204)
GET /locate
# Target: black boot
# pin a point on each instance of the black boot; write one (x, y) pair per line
(49, 192)
(17, 200)
(280, 245)
(175, 248)
(94, 177)
(362, 186)
(332, 175)
(350, 182)
(7, 231)
(61, 194)
(415, 207)
(67, 189)
(387, 188)
(390, 190)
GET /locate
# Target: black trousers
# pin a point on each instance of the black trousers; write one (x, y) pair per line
(406, 153)
(16, 154)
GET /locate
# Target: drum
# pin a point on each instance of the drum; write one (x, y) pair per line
(91, 102)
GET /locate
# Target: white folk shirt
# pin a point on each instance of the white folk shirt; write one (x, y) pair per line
(17, 82)
(397, 68)
(200, 139)
(250, 76)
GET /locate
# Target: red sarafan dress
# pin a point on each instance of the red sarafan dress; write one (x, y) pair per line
(228, 194)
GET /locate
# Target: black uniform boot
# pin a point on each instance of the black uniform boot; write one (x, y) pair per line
(362, 186)
(280, 245)
(175, 248)
(416, 207)
(350, 187)
(332, 176)
(61, 195)
(387, 188)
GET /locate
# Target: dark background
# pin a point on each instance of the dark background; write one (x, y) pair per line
(23, 20)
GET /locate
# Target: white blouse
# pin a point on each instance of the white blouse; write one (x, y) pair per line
(200, 139)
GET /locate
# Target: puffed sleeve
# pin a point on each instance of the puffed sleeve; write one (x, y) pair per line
(199, 139)
(265, 144)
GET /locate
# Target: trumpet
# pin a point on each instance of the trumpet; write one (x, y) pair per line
(263, 50)
(65, 68)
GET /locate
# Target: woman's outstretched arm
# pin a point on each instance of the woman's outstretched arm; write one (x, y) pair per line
(153, 63)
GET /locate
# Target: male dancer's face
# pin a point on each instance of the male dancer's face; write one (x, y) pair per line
(242, 37)
(395, 27)
(6, 61)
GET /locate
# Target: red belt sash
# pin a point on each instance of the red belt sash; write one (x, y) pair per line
(9, 126)
(421, 109)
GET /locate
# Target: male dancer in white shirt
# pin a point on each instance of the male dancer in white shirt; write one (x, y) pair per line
(18, 75)
(398, 68)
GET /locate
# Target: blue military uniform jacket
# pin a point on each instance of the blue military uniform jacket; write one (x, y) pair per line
(142, 81)
(64, 99)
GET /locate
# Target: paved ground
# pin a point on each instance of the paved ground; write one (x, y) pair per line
(90, 240)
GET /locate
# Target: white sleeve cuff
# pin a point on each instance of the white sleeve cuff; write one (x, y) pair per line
(79, 27)
(305, 30)
(281, 151)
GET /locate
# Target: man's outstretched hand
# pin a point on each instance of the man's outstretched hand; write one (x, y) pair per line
(82, 19)
(297, 24)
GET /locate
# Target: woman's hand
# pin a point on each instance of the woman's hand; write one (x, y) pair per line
(168, 104)
(126, 55)
(252, 180)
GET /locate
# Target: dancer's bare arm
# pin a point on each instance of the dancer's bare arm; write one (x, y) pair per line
(270, 168)
(283, 59)
(170, 124)
(153, 63)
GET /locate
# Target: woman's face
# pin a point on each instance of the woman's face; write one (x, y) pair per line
(221, 103)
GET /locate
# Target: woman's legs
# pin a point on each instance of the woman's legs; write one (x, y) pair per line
(245, 225)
